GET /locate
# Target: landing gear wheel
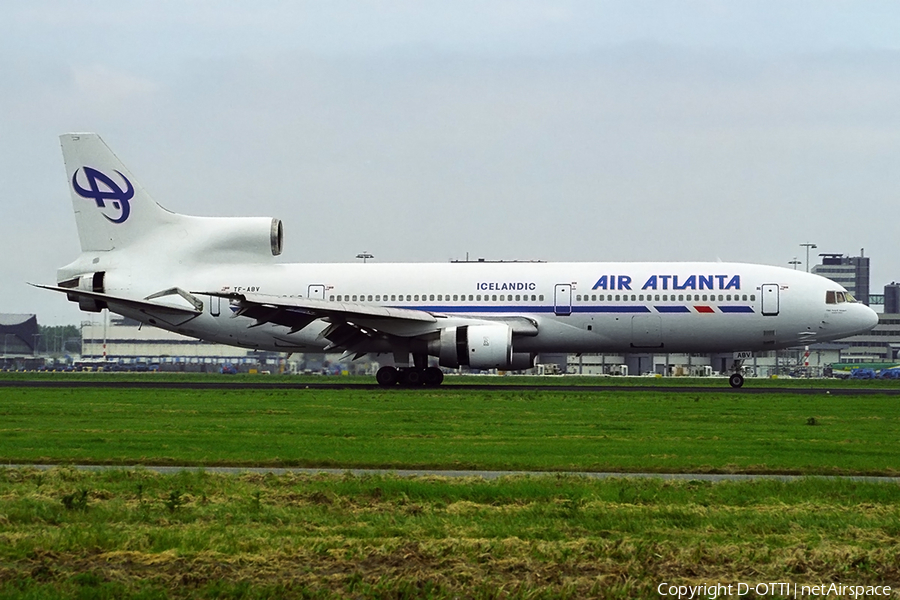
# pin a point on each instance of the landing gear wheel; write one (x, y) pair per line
(387, 376)
(736, 380)
(433, 376)
(411, 377)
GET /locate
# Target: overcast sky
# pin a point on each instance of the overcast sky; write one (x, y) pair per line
(420, 131)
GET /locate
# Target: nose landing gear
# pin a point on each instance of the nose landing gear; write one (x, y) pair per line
(736, 379)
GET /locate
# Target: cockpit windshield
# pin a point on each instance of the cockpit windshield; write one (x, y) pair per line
(835, 297)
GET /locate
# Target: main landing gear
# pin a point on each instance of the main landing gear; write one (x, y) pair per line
(736, 379)
(409, 376)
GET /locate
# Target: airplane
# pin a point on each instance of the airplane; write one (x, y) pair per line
(218, 279)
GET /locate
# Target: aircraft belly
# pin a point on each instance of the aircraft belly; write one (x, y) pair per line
(648, 333)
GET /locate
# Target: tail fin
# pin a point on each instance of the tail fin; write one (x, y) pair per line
(112, 210)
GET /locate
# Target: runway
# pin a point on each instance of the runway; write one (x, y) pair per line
(748, 389)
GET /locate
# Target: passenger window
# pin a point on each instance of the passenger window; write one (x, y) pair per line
(494, 297)
(752, 297)
(721, 297)
(393, 298)
(728, 298)
(370, 297)
(470, 297)
(478, 297)
(518, 297)
(541, 298)
(656, 298)
(578, 298)
(331, 297)
(633, 297)
(377, 298)
(534, 298)
(680, 297)
(618, 297)
(745, 297)
(409, 298)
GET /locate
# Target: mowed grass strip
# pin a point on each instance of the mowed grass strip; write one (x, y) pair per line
(453, 429)
(138, 534)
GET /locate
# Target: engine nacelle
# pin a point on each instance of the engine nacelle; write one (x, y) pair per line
(222, 237)
(91, 282)
(481, 347)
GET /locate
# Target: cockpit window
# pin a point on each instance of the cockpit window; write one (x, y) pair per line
(833, 297)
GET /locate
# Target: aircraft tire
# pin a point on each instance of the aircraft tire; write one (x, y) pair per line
(433, 376)
(411, 377)
(387, 376)
(736, 380)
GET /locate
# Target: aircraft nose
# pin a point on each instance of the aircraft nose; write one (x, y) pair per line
(869, 318)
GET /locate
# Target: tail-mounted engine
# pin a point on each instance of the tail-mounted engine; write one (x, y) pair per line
(482, 347)
(225, 239)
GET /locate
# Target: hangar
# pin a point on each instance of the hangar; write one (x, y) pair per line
(20, 336)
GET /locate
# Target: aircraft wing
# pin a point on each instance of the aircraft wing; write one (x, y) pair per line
(350, 323)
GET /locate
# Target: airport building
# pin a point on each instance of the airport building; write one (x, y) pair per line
(122, 343)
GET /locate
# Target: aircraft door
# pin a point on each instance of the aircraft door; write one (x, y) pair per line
(316, 291)
(645, 331)
(215, 305)
(562, 299)
(769, 300)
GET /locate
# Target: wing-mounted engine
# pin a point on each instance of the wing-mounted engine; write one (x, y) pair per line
(481, 347)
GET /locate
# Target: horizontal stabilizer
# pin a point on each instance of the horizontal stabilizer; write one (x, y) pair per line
(137, 309)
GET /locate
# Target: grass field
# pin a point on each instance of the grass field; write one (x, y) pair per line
(454, 428)
(137, 534)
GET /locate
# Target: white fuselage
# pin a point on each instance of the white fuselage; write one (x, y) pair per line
(577, 307)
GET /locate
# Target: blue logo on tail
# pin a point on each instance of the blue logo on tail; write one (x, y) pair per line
(119, 206)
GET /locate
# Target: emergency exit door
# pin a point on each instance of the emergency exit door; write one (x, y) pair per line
(769, 299)
(562, 299)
